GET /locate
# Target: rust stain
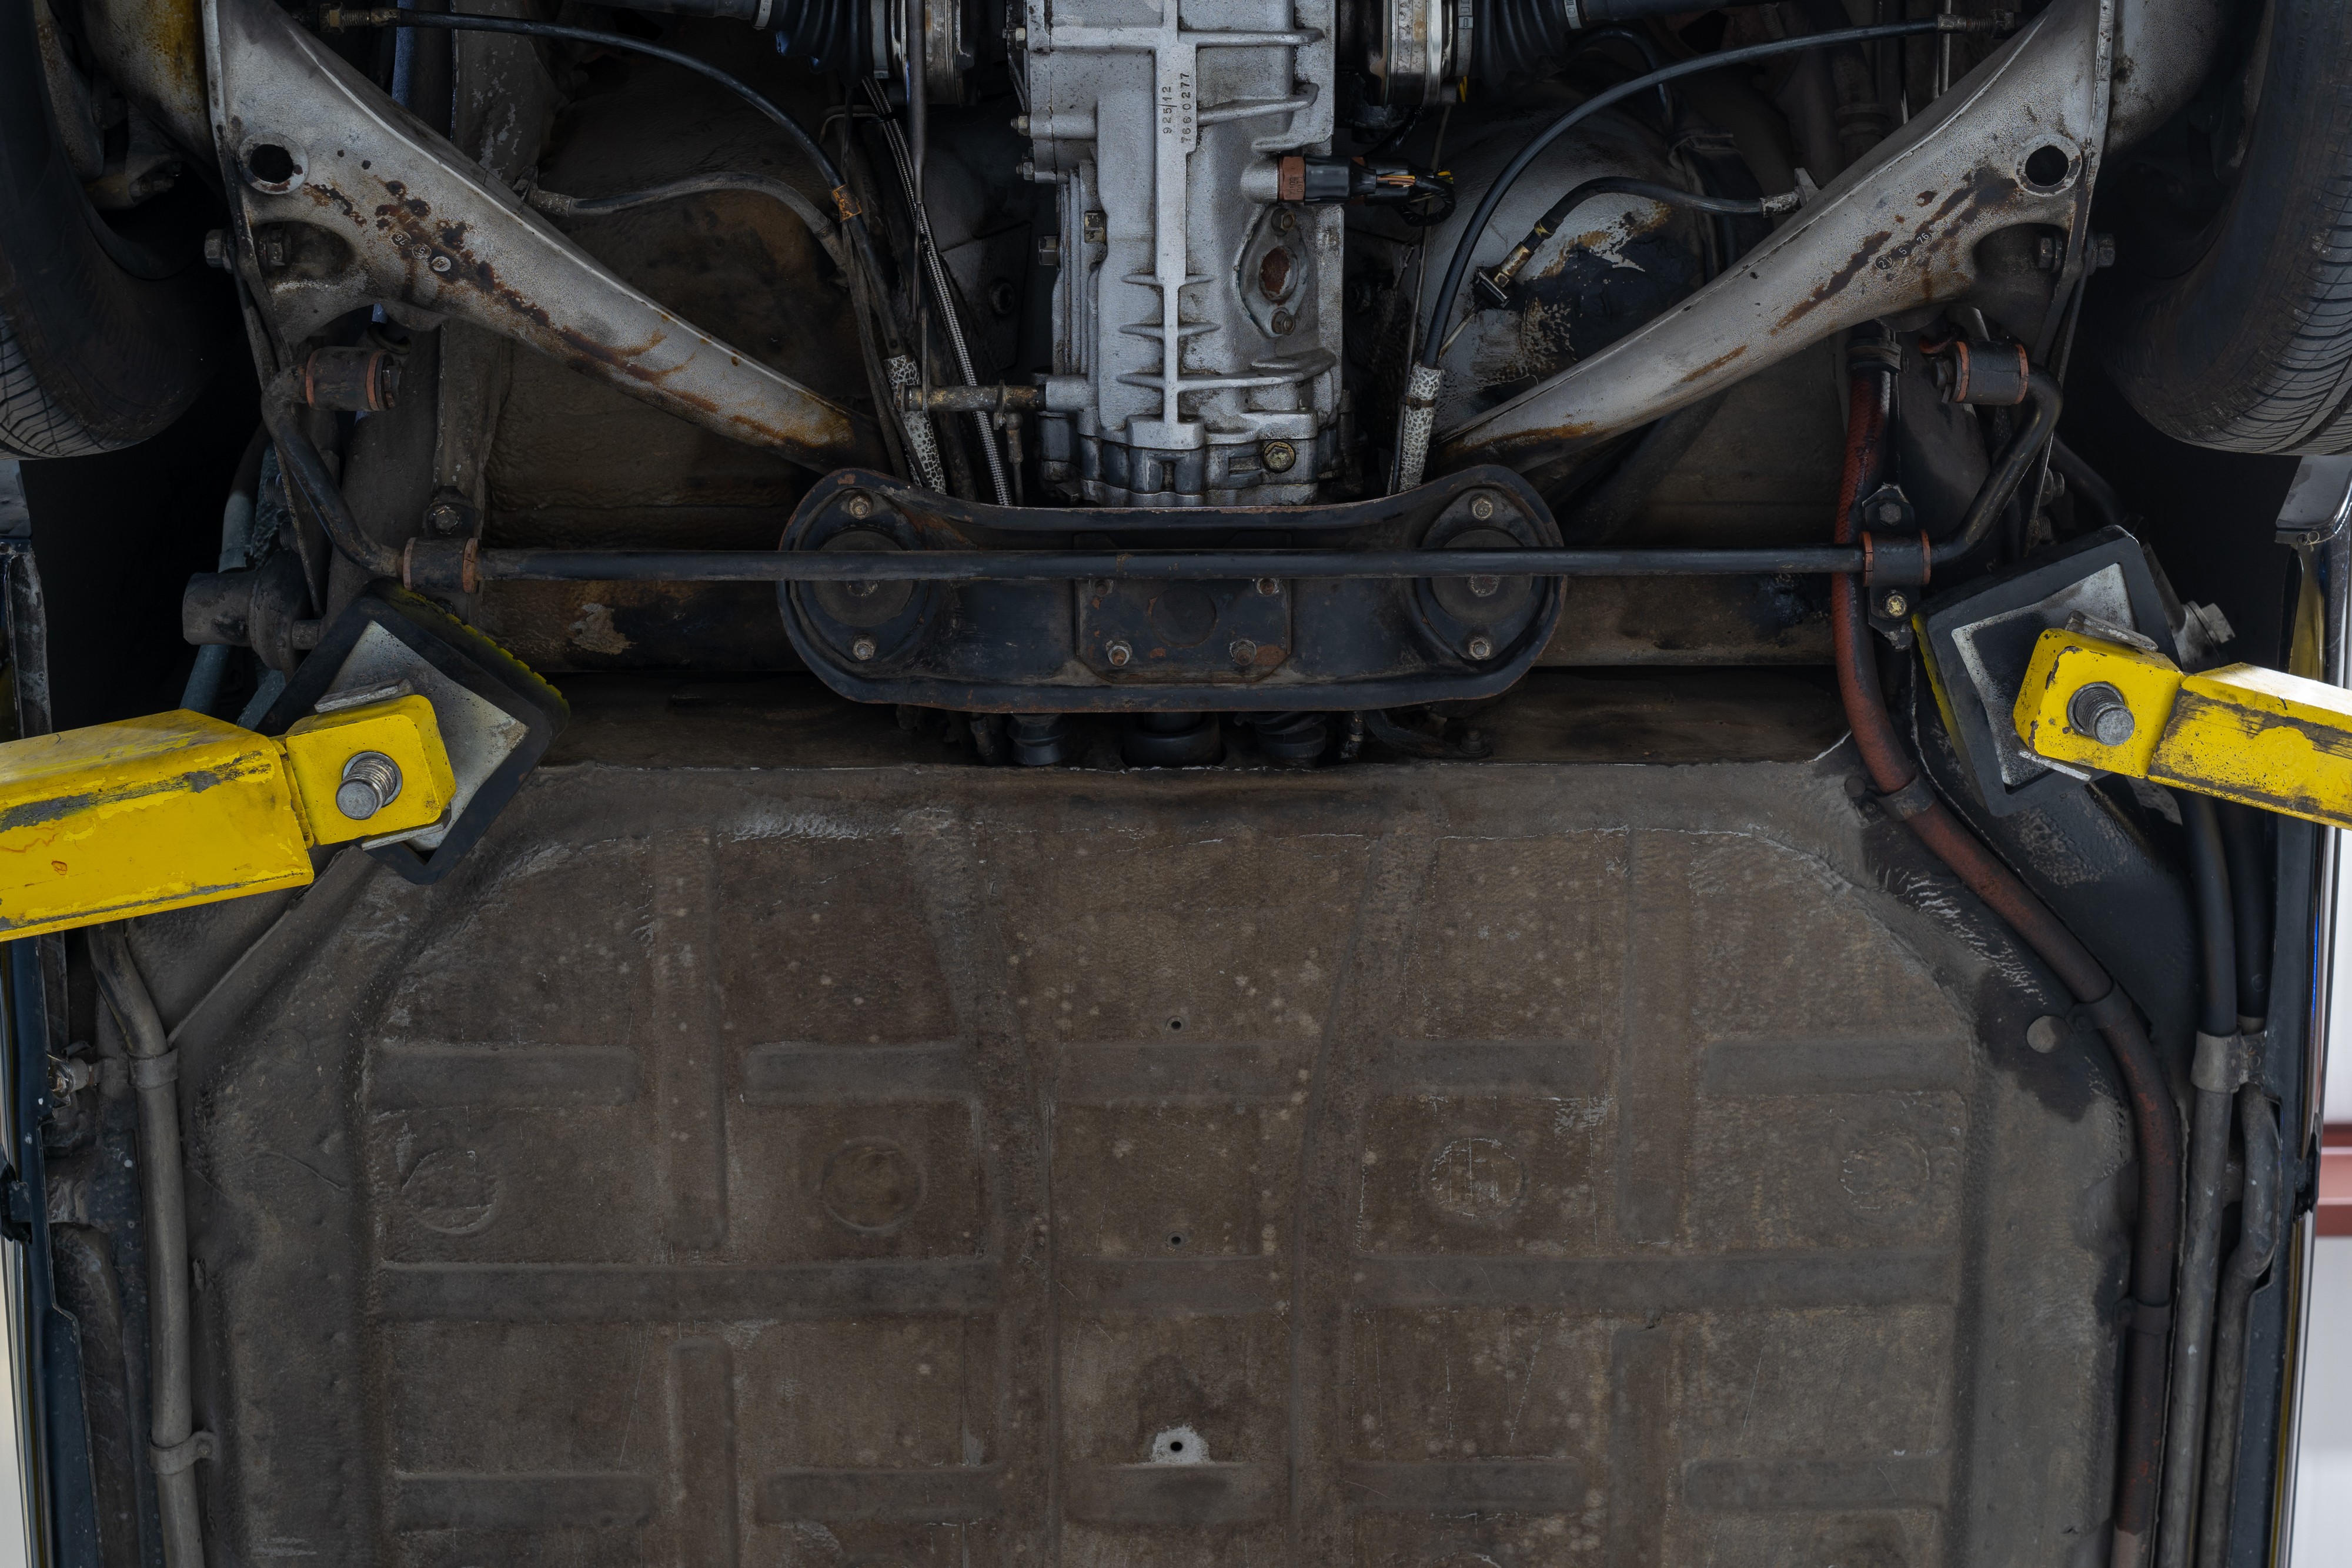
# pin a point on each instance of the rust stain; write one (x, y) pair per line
(404, 220)
(1986, 189)
(1715, 364)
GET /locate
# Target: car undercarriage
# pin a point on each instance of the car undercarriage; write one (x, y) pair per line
(873, 783)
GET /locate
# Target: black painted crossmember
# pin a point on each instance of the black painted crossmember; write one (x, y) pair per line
(1235, 632)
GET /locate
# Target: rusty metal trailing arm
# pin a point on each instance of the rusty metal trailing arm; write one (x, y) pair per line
(2016, 141)
(406, 219)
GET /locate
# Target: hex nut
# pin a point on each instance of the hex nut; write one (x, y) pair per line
(1278, 455)
(1480, 648)
(1889, 513)
(1119, 653)
(371, 782)
(1482, 506)
(862, 650)
(2099, 711)
(1243, 651)
(858, 506)
(1283, 322)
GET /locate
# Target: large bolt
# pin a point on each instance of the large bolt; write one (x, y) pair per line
(1119, 653)
(371, 782)
(858, 506)
(1482, 508)
(2099, 711)
(862, 650)
(1481, 649)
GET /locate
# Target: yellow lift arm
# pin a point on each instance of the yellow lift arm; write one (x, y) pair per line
(158, 813)
(2257, 736)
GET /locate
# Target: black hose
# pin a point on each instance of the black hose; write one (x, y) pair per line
(306, 472)
(2243, 840)
(1592, 37)
(2258, 1236)
(1458, 268)
(2086, 483)
(2008, 472)
(2214, 1077)
(463, 22)
(2216, 923)
(154, 1072)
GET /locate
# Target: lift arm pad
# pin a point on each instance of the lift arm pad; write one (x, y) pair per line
(2240, 733)
(157, 813)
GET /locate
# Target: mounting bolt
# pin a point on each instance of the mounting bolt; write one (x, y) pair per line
(1480, 648)
(859, 507)
(217, 249)
(1102, 587)
(1278, 455)
(371, 782)
(1894, 605)
(1119, 653)
(440, 263)
(2047, 1033)
(2099, 711)
(271, 251)
(1283, 322)
(1243, 651)
(862, 650)
(1482, 508)
(1285, 220)
(1269, 587)
(1889, 513)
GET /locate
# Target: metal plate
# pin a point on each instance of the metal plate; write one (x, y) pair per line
(754, 1159)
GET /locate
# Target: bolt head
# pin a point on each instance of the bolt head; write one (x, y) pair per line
(1285, 220)
(1278, 455)
(440, 263)
(1889, 513)
(1283, 322)
(1243, 651)
(217, 249)
(1893, 604)
(1119, 653)
(1269, 587)
(2046, 1034)
(1482, 508)
(859, 507)
(863, 649)
(1480, 648)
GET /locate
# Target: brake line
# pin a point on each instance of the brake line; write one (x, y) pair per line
(1907, 794)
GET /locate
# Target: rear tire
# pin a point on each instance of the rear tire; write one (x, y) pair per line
(93, 355)
(2248, 347)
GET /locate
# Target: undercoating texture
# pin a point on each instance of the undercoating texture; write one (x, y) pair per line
(927, 1164)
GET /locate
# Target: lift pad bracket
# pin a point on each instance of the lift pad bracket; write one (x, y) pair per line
(2240, 733)
(149, 814)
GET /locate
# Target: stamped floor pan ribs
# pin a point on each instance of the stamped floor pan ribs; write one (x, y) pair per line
(930, 1165)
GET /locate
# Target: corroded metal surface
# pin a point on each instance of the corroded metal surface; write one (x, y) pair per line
(1897, 230)
(769, 1152)
(406, 219)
